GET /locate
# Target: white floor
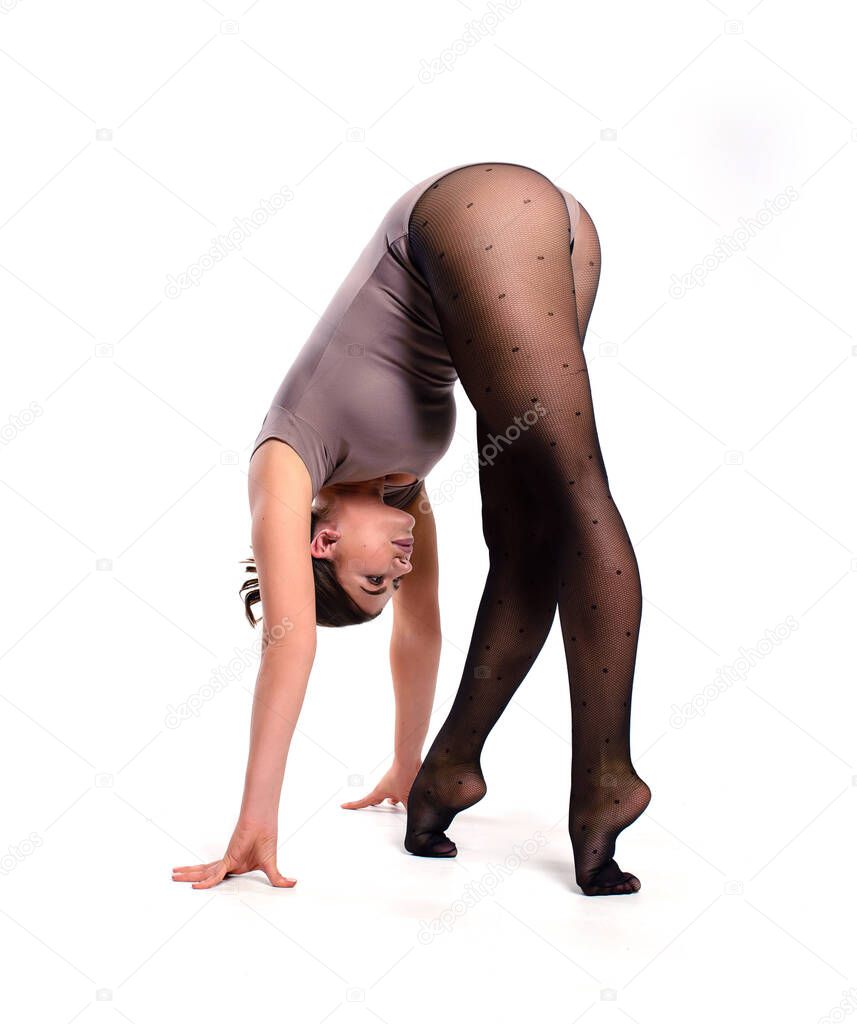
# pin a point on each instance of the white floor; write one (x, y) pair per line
(745, 906)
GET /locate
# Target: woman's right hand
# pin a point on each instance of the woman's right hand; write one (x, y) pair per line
(253, 846)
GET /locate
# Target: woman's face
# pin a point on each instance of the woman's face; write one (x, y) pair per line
(370, 544)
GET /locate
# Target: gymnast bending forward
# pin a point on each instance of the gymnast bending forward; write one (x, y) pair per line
(485, 273)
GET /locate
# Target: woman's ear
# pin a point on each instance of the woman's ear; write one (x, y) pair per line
(323, 543)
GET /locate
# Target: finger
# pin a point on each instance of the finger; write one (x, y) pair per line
(213, 879)
(191, 874)
(275, 878)
(196, 867)
(373, 798)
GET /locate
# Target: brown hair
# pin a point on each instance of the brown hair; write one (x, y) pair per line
(333, 605)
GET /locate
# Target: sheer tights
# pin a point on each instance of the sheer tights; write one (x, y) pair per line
(492, 241)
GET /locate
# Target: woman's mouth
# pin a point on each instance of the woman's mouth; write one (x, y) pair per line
(406, 544)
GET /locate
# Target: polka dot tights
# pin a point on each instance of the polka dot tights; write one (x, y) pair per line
(513, 299)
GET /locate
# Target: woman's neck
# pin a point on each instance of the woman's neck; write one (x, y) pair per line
(367, 487)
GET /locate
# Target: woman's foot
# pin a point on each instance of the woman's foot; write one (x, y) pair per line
(439, 792)
(610, 880)
(430, 844)
(594, 824)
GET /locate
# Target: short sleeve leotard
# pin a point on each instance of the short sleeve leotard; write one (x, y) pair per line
(370, 393)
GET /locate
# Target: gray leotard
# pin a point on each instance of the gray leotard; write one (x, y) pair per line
(370, 393)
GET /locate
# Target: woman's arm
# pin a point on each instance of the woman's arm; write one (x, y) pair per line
(415, 646)
(280, 494)
(415, 643)
(280, 500)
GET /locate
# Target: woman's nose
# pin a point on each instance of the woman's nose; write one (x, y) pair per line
(405, 562)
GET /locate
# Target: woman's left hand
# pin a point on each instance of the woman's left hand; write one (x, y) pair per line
(393, 788)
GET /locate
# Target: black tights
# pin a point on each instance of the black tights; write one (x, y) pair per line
(513, 300)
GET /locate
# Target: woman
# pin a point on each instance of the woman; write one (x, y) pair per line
(486, 273)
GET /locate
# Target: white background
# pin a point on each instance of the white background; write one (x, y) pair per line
(133, 134)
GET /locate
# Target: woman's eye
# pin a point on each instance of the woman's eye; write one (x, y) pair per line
(376, 581)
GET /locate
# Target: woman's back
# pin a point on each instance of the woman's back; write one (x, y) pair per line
(370, 393)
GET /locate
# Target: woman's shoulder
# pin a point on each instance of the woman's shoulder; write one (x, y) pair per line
(277, 471)
(312, 445)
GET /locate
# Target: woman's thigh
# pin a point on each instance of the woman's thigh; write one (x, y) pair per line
(492, 242)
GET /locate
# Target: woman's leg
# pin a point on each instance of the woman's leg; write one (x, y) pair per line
(514, 618)
(493, 243)
(606, 792)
